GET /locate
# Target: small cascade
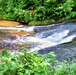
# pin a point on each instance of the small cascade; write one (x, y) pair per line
(11, 35)
(55, 37)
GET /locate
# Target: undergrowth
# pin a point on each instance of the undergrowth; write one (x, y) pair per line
(25, 63)
(33, 11)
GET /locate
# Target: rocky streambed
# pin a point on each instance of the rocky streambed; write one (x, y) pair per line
(59, 38)
(10, 36)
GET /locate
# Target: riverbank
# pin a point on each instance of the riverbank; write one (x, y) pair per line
(12, 23)
(38, 12)
(48, 22)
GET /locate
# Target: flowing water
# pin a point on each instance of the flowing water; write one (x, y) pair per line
(60, 38)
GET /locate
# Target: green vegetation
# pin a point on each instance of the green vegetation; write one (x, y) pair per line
(24, 64)
(33, 64)
(36, 12)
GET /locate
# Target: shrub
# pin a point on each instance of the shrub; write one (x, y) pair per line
(37, 10)
(23, 64)
(26, 63)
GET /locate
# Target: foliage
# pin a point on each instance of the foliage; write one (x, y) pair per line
(37, 10)
(25, 63)
(66, 68)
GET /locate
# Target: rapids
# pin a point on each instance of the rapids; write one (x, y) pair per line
(60, 38)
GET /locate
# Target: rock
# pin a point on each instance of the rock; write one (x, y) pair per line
(8, 23)
(20, 33)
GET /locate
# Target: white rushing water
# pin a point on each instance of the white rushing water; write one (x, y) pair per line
(48, 42)
(27, 29)
(57, 36)
(52, 40)
(53, 37)
(41, 43)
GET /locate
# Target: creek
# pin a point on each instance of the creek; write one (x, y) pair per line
(59, 38)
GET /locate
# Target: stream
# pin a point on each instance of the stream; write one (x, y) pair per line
(59, 38)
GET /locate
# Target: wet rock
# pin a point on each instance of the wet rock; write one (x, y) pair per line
(20, 33)
(9, 38)
(8, 45)
(8, 23)
(13, 37)
(11, 41)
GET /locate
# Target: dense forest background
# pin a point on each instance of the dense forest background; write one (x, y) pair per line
(37, 11)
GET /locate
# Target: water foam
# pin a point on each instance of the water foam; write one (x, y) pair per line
(56, 37)
(27, 29)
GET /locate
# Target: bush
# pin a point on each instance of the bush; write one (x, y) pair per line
(26, 63)
(37, 10)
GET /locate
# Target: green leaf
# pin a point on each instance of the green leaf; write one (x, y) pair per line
(1, 73)
(5, 53)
